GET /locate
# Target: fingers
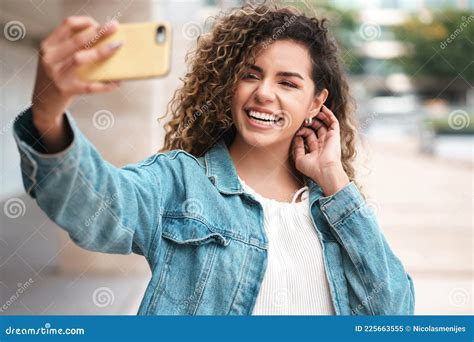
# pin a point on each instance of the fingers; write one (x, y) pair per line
(319, 127)
(298, 147)
(59, 62)
(69, 26)
(82, 40)
(78, 87)
(89, 56)
(321, 133)
(328, 118)
(309, 137)
(97, 87)
(316, 124)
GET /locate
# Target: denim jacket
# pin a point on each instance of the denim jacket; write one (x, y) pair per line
(202, 235)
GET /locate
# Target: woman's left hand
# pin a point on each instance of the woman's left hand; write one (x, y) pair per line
(322, 163)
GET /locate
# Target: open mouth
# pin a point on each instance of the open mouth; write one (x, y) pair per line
(264, 118)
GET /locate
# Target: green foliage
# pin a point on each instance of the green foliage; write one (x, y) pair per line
(444, 126)
(441, 47)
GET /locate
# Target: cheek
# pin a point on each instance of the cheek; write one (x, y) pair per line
(240, 96)
(298, 110)
(239, 99)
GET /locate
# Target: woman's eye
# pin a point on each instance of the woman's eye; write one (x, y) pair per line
(289, 84)
(255, 77)
(250, 76)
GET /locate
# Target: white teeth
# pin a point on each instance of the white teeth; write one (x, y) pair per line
(264, 116)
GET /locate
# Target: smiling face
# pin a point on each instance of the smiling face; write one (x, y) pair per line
(275, 95)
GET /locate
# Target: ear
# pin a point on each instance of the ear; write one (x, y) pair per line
(318, 101)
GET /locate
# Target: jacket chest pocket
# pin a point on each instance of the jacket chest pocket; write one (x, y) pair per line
(190, 248)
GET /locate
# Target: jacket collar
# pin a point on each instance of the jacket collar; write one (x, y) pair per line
(221, 171)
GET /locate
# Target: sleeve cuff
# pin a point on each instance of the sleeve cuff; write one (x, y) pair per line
(35, 162)
(29, 139)
(339, 205)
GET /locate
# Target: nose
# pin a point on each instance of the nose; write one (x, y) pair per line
(264, 93)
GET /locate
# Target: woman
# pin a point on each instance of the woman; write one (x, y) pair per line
(263, 117)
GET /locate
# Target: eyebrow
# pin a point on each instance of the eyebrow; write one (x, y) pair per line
(280, 73)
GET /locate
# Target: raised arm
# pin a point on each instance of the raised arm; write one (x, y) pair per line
(103, 208)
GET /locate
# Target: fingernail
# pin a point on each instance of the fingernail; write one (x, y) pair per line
(115, 45)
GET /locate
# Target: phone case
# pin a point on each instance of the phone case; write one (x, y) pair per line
(141, 55)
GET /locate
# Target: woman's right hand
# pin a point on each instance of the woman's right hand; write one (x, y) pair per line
(61, 53)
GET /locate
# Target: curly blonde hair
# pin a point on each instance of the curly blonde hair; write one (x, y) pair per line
(201, 109)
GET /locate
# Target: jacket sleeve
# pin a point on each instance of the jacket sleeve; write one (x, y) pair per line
(102, 207)
(386, 289)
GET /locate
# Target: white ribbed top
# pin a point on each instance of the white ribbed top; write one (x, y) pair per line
(295, 280)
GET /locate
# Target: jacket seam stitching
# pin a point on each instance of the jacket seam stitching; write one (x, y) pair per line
(154, 237)
(243, 269)
(232, 236)
(207, 274)
(359, 266)
(345, 215)
(116, 218)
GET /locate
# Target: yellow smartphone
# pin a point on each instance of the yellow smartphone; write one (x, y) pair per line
(145, 53)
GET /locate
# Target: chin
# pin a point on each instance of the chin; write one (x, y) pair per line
(257, 139)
